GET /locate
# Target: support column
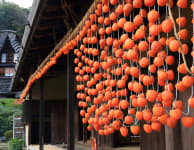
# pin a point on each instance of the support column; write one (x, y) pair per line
(30, 116)
(70, 102)
(41, 121)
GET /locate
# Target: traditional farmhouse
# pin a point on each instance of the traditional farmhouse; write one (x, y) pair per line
(95, 55)
(9, 50)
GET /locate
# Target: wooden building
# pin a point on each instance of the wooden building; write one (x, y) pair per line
(50, 112)
(9, 50)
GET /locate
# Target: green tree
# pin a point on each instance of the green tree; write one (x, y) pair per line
(7, 110)
(13, 17)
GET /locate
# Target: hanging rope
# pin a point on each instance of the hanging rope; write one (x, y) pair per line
(177, 37)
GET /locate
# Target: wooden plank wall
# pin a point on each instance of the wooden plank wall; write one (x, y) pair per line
(56, 111)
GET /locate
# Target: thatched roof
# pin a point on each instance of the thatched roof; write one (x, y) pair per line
(13, 39)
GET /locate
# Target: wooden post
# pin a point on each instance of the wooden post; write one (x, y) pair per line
(70, 102)
(30, 116)
(85, 133)
(41, 126)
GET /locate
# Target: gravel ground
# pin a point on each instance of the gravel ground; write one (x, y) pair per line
(78, 147)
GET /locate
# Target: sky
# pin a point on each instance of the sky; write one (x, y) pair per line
(22, 3)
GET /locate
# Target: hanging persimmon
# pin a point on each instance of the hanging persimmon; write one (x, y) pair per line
(143, 46)
(101, 31)
(154, 30)
(141, 101)
(135, 129)
(171, 122)
(115, 27)
(124, 104)
(147, 115)
(119, 9)
(109, 41)
(118, 114)
(127, 9)
(121, 83)
(123, 38)
(191, 102)
(174, 45)
(162, 75)
(151, 95)
(182, 3)
(187, 81)
(113, 2)
(181, 68)
(128, 120)
(118, 71)
(103, 2)
(156, 46)
(185, 49)
(158, 61)
(169, 87)
(129, 43)
(132, 55)
(137, 3)
(183, 34)
(162, 3)
(153, 16)
(152, 68)
(167, 95)
(187, 121)
(105, 8)
(169, 59)
(170, 74)
(181, 21)
(139, 115)
(167, 26)
(163, 119)
(121, 22)
(149, 3)
(158, 110)
(124, 131)
(131, 111)
(176, 113)
(144, 62)
(138, 20)
(139, 34)
(129, 26)
(147, 80)
(156, 126)
(147, 128)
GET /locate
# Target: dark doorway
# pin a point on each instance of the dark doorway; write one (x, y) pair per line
(35, 131)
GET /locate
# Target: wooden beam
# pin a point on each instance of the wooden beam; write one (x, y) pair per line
(70, 102)
(41, 121)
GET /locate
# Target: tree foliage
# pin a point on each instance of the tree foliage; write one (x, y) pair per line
(13, 17)
(7, 110)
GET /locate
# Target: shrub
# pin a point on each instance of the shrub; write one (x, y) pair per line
(15, 144)
(8, 134)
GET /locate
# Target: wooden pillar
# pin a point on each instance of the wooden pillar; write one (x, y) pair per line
(41, 121)
(30, 116)
(84, 133)
(70, 102)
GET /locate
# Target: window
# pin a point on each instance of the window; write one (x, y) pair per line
(3, 57)
(15, 58)
(9, 58)
(9, 72)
